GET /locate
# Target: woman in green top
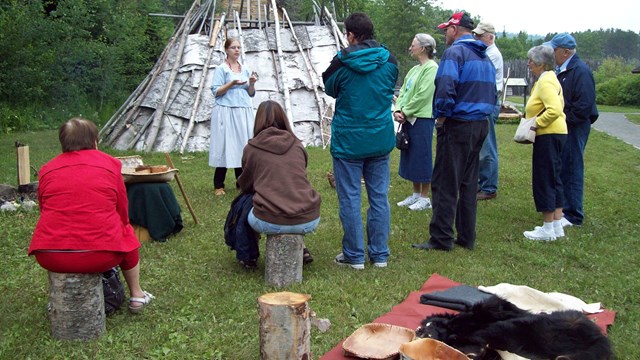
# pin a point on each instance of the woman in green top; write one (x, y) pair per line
(413, 110)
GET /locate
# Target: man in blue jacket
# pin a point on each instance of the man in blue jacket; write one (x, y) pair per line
(361, 78)
(579, 91)
(465, 97)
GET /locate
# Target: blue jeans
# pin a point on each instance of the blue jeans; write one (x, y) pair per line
(264, 227)
(488, 172)
(347, 173)
(572, 174)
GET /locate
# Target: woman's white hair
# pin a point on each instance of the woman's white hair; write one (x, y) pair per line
(426, 41)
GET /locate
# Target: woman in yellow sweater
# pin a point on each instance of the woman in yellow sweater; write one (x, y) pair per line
(546, 104)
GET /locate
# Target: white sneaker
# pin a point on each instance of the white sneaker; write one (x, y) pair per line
(421, 204)
(410, 200)
(558, 231)
(565, 222)
(380, 264)
(539, 233)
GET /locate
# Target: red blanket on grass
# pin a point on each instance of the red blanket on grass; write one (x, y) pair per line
(410, 312)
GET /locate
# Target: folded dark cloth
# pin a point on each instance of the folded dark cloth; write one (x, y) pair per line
(459, 298)
(155, 207)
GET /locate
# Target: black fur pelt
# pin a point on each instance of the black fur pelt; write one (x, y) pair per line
(496, 324)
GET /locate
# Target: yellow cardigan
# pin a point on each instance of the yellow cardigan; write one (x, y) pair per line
(547, 95)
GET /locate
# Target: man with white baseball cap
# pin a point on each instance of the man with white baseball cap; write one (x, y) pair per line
(488, 172)
(579, 91)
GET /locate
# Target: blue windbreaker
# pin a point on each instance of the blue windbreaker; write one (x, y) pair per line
(465, 82)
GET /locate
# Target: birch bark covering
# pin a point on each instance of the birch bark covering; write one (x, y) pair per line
(76, 306)
(285, 326)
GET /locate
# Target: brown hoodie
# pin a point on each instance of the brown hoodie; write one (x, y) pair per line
(274, 167)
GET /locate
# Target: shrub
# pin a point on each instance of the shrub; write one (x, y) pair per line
(623, 90)
(611, 68)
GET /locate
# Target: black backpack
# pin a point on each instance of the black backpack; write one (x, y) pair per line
(113, 291)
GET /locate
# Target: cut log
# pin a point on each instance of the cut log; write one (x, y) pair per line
(76, 306)
(285, 326)
(283, 259)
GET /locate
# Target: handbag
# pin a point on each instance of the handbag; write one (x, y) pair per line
(113, 291)
(402, 138)
(526, 131)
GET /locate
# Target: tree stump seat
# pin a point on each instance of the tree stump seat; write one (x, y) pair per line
(76, 306)
(285, 326)
(283, 259)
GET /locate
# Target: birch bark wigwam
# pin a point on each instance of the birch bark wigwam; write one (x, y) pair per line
(172, 107)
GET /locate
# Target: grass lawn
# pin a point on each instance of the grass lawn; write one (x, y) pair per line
(634, 118)
(206, 304)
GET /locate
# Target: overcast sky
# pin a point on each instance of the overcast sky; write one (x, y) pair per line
(539, 17)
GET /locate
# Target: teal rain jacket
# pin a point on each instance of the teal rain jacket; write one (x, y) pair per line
(362, 78)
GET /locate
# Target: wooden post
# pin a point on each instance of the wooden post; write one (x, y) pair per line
(184, 194)
(283, 70)
(24, 166)
(283, 259)
(76, 306)
(285, 326)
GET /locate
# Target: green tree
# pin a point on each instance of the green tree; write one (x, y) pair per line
(590, 45)
(77, 52)
(516, 47)
(26, 55)
(612, 68)
(625, 44)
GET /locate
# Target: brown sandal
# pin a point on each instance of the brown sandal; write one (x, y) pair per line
(306, 256)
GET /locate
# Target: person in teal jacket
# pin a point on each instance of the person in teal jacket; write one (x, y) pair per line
(361, 78)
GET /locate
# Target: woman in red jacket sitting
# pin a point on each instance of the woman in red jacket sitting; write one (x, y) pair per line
(274, 169)
(84, 220)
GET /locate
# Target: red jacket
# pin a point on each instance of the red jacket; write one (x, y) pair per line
(83, 205)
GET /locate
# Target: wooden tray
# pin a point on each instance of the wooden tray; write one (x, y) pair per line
(131, 177)
(377, 341)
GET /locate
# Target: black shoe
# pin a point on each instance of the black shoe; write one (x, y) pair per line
(249, 264)
(461, 244)
(429, 246)
(485, 196)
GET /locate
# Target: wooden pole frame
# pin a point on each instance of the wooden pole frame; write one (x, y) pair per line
(184, 194)
(283, 75)
(203, 80)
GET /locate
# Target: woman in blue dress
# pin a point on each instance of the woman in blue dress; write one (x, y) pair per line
(232, 119)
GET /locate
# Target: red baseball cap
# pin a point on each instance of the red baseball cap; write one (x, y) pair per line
(458, 19)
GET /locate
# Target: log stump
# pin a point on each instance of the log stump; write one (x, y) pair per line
(76, 306)
(283, 259)
(285, 326)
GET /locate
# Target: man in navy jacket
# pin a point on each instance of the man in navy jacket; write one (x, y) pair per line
(579, 91)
